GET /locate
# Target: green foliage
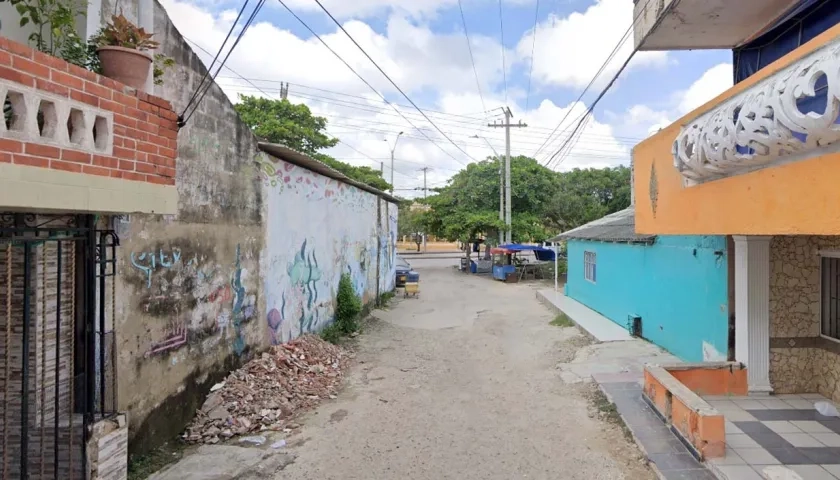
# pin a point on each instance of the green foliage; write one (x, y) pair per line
(469, 205)
(586, 195)
(347, 306)
(332, 333)
(54, 21)
(161, 64)
(543, 202)
(412, 222)
(280, 121)
(562, 320)
(120, 32)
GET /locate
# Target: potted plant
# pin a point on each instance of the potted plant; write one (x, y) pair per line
(123, 52)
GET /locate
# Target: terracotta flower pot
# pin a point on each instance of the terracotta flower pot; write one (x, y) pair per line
(126, 65)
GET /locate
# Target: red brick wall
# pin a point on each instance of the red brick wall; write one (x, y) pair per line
(145, 126)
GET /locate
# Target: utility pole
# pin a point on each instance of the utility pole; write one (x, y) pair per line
(507, 126)
(284, 90)
(392, 158)
(425, 192)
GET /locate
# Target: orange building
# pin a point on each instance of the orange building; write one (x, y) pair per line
(760, 163)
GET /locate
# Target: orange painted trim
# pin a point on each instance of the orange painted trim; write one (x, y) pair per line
(713, 381)
(796, 198)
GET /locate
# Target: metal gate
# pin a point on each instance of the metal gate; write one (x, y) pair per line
(57, 369)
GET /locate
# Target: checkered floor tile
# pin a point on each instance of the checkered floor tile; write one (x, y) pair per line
(781, 431)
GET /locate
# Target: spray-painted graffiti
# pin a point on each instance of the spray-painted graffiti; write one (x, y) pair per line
(318, 229)
(149, 261)
(198, 296)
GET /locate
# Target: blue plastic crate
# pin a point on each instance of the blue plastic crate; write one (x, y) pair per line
(413, 277)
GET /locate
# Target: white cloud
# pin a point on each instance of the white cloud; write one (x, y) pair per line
(569, 51)
(712, 83)
(642, 118)
(428, 65)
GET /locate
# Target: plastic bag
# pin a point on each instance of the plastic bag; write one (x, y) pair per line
(826, 409)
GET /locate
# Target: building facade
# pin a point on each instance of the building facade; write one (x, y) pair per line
(759, 163)
(141, 262)
(676, 286)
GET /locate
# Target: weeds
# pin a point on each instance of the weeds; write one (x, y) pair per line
(608, 411)
(562, 320)
(142, 466)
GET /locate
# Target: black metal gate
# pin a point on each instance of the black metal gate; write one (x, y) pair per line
(57, 355)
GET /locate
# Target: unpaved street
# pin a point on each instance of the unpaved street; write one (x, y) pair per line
(461, 383)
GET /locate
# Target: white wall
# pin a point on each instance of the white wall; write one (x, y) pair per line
(318, 228)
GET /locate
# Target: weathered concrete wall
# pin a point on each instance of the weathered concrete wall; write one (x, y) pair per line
(189, 289)
(319, 229)
(801, 361)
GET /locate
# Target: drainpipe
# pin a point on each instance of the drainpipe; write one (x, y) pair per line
(632, 184)
(146, 20)
(555, 267)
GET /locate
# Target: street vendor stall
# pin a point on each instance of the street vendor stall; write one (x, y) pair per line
(507, 260)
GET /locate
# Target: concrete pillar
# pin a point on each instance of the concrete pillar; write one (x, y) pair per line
(752, 310)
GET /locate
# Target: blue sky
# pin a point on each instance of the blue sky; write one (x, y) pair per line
(422, 46)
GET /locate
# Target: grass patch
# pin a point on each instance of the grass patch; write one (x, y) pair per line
(141, 466)
(607, 411)
(385, 298)
(562, 320)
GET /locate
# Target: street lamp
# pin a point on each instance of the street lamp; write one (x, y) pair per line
(501, 188)
(392, 158)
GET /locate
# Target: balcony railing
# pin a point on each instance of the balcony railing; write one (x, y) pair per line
(788, 116)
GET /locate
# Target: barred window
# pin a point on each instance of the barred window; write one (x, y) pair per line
(830, 297)
(589, 266)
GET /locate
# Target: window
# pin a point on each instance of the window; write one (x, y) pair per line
(589, 266)
(830, 297)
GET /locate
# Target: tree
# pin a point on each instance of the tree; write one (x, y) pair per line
(280, 121)
(584, 195)
(469, 205)
(412, 222)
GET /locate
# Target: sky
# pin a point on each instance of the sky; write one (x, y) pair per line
(534, 56)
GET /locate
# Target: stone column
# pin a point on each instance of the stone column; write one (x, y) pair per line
(752, 310)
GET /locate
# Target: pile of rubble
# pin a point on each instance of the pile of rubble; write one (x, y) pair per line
(268, 392)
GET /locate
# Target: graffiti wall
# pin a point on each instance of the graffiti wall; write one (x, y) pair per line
(317, 229)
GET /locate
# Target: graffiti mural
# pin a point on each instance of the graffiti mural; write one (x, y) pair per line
(196, 296)
(318, 229)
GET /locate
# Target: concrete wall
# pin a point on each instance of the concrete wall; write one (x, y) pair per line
(189, 291)
(319, 229)
(678, 286)
(801, 361)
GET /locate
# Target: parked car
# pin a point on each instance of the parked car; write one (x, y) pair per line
(403, 268)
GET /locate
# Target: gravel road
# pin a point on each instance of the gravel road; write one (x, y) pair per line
(461, 383)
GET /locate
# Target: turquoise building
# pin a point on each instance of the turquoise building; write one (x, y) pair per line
(675, 287)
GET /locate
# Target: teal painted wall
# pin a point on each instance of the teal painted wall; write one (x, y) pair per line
(678, 286)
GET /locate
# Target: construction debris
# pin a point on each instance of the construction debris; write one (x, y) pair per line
(270, 390)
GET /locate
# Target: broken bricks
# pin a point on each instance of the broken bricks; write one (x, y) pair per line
(270, 390)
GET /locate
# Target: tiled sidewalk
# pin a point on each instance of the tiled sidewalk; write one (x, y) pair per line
(663, 448)
(777, 430)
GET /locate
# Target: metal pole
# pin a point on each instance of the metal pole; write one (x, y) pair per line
(425, 192)
(508, 235)
(392, 160)
(555, 267)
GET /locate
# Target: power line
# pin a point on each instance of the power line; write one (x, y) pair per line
(606, 139)
(235, 43)
(390, 80)
(210, 67)
(472, 59)
(365, 81)
(502, 38)
(533, 49)
(595, 77)
(588, 112)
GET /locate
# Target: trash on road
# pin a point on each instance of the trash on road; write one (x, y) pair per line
(278, 444)
(827, 409)
(255, 440)
(270, 390)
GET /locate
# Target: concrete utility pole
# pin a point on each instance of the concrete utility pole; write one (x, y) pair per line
(425, 192)
(507, 126)
(394, 149)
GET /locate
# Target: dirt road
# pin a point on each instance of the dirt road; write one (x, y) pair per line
(461, 383)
